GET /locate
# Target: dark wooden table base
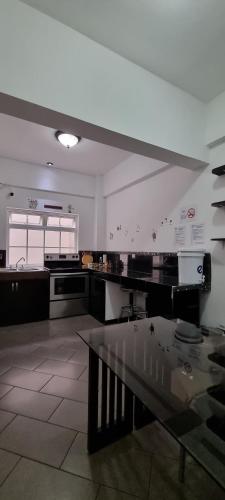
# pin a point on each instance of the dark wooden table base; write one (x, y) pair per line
(113, 411)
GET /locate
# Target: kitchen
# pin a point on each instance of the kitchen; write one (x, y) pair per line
(95, 239)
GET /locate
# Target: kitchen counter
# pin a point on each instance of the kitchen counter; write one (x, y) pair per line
(7, 274)
(143, 280)
(164, 295)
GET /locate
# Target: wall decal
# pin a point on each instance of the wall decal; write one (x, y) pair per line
(32, 203)
(166, 220)
(188, 214)
(154, 235)
(111, 236)
(138, 228)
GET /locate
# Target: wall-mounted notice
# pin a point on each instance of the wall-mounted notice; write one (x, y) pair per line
(188, 214)
(198, 234)
(180, 235)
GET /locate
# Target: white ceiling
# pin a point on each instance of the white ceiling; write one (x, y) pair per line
(33, 143)
(183, 41)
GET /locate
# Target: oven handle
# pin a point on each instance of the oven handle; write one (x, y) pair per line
(64, 275)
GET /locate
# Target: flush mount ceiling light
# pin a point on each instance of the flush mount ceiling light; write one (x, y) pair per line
(67, 140)
(49, 163)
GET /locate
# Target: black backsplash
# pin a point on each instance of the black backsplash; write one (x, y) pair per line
(2, 258)
(146, 261)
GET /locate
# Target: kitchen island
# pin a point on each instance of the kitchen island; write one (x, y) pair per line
(164, 295)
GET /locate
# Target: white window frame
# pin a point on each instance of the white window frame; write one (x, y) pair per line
(44, 227)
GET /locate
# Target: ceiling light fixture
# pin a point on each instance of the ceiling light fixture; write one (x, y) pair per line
(67, 140)
(49, 163)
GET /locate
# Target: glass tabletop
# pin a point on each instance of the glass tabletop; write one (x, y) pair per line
(178, 373)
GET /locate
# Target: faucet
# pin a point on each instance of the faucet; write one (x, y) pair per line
(22, 258)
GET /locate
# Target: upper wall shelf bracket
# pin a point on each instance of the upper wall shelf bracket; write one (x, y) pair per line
(219, 170)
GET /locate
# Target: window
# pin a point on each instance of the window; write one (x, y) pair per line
(31, 234)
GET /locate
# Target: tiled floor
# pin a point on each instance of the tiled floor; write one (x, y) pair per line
(43, 424)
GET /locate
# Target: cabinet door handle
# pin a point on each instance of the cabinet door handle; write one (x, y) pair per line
(17, 286)
(13, 286)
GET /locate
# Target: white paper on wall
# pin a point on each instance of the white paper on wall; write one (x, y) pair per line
(198, 234)
(180, 234)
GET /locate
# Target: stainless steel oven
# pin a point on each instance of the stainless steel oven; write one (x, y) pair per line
(69, 285)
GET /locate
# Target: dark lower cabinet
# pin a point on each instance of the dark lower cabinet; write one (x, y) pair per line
(187, 306)
(97, 298)
(23, 301)
(183, 304)
(7, 303)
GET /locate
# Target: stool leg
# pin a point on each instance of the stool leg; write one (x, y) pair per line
(182, 462)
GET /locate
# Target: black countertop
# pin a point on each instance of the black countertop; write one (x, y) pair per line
(182, 384)
(156, 276)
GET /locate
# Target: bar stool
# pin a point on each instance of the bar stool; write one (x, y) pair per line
(131, 310)
(142, 315)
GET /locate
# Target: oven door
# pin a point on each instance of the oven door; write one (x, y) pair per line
(69, 286)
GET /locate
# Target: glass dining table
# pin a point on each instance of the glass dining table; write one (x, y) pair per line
(157, 369)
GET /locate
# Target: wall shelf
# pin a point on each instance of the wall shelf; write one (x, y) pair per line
(218, 204)
(219, 170)
(218, 239)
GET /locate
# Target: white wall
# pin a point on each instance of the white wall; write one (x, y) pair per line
(34, 181)
(141, 208)
(128, 172)
(44, 62)
(215, 120)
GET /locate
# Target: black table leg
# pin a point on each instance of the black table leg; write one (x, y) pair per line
(142, 416)
(92, 400)
(115, 418)
(182, 463)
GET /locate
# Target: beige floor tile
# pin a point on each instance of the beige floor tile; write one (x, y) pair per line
(61, 368)
(5, 418)
(67, 388)
(80, 356)
(111, 494)
(4, 389)
(71, 414)
(25, 378)
(29, 403)
(4, 366)
(84, 376)
(29, 361)
(7, 463)
(73, 341)
(201, 484)
(34, 481)
(37, 440)
(60, 353)
(164, 484)
(120, 466)
(153, 438)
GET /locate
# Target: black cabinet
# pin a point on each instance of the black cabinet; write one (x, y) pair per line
(187, 306)
(7, 302)
(22, 301)
(97, 297)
